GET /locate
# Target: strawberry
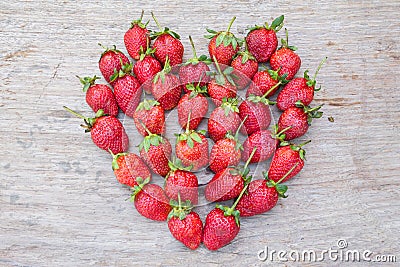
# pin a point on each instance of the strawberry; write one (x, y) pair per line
(287, 157)
(107, 132)
(224, 119)
(151, 201)
(223, 45)
(194, 70)
(245, 66)
(298, 89)
(111, 59)
(166, 88)
(263, 81)
(128, 167)
(262, 40)
(167, 45)
(194, 103)
(222, 85)
(146, 68)
(156, 151)
(151, 115)
(285, 60)
(99, 96)
(298, 119)
(137, 37)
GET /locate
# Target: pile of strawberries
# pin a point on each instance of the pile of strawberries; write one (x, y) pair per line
(168, 83)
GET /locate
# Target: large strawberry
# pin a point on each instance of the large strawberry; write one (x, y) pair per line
(263, 81)
(298, 89)
(107, 132)
(223, 45)
(137, 37)
(128, 167)
(194, 103)
(99, 96)
(262, 40)
(149, 114)
(222, 85)
(151, 201)
(167, 45)
(146, 68)
(110, 60)
(245, 66)
(156, 151)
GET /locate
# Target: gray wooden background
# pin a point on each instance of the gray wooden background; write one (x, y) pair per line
(60, 203)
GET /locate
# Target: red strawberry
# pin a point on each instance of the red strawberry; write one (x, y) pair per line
(285, 60)
(223, 45)
(222, 85)
(298, 119)
(245, 66)
(99, 96)
(194, 103)
(224, 119)
(128, 167)
(288, 157)
(151, 115)
(111, 59)
(166, 88)
(263, 81)
(298, 89)
(167, 45)
(151, 201)
(146, 68)
(136, 37)
(107, 132)
(262, 41)
(156, 151)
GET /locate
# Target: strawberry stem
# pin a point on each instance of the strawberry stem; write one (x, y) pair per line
(230, 24)
(188, 122)
(217, 65)
(141, 15)
(240, 126)
(271, 89)
(156, 21)
(251, 156)
(75, 113)
(286, 175)
(232, 208)
(319, 67)
(302, 144)
(193, 48)
(145, 128)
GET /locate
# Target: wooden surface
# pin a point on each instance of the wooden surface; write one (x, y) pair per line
(60, 203)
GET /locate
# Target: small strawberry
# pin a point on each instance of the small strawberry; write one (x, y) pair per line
(262, 40)
(194, 103)
(151, 115)
(245, 66)
(167, 45)
(298, 119)
(146, 68)
(224, 119)
(166, 88)
(263, 81)
(128, 167)
(99, 96)
(107, 132)
(222, 85)
(137, 37)
(285, 60)
(151, 201)
(298, 89)
(223, 45)
(111, 59)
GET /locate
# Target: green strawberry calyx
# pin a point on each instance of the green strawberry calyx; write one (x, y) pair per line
(162, 31)
(87, 82)
(114, 163)
(312, 113)
(149, 52)
(276, 25)
(138, 188)
(222, 76)
(263, 99)
(109, 49)
(179, 209)
(161, 75)
(195, 59)
(139, 22)
(225, 38)
(176, 164)
(190, 136)
(297, 148)
(235, 138)
(196, 90)
(244, 171)
(229, 105)
(147, 104)
(285, 42)
(313, 81)
(280, 188)
(150, 140)
(275, 75)
(126, 69)
(280, 136)
(89, 122)
(246, 55)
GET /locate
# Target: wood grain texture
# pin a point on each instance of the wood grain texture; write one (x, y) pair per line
(60, 203)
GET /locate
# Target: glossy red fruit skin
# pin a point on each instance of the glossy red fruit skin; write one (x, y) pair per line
(135, 38)
(224, 186)
(262, 82)
(259, 199)
(153, 119)
(127, 93)
(168, 93)
(152, 203)
(194, 74)
(131, 167)
(223, 54)
(109, 61)
(258, 116)
(100, 96)
(189, 231)
(219, 230)
(109, 133)
(183, 182)
(284, 159)
(218, 92)
(297, 89)
(287, 60)
(265, 144)
(145, 70)
(166, 44)
(196, 106)
(262, 43)
(197, 156)
(224, 154)
(295, 118)
(157, 157)
(219, 124)
(245, 72)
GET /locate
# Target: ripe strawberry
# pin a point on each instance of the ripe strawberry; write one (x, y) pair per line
(156, 151)
(195, 70)
(151, 115)
(146, 68)
(166, 88)
(99, 96)
(107, 132)
(298, 89)
(298, 119)
(263, 81)
(137, 37)
(224, 119)
(194, 103)
(288, 157)
(285, 60)
(151, 201)
(223, 45)
(111, 59)
(128, 167)
(245, 66)
(262, 41)
(167, 45)
(222, 85)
